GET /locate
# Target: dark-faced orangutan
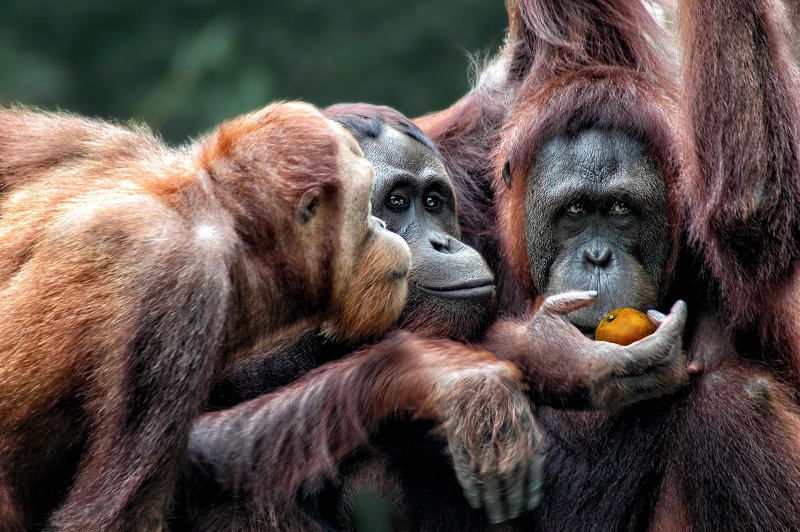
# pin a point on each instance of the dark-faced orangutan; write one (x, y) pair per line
(131, 273)
(572, 155)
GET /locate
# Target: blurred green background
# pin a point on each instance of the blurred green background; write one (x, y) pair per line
(182, 67)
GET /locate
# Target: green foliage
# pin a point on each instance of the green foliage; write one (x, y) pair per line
(182, 67)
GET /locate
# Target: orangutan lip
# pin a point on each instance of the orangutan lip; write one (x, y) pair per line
(476, 287)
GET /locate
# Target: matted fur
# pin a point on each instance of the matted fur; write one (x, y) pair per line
(741, 105)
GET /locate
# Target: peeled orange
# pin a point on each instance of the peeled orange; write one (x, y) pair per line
(624, 326)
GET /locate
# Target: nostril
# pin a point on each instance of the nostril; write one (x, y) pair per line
(440, 243)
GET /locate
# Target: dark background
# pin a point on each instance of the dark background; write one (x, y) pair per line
(182, 67)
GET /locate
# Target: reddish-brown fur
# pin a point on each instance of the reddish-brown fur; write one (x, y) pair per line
(724, 455)
(253, 460)
(130, 272)
(742, 188)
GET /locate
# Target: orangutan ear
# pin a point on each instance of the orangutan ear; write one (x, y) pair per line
(309, 204)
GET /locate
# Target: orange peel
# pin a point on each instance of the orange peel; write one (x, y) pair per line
(624, 326)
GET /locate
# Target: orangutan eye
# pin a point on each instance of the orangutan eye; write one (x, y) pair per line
(620, 207)
(397, 201)
(576, 208)
(433, 202)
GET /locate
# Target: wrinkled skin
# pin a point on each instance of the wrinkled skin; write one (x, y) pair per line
(451, 289)
(597, 220)
(616, 377)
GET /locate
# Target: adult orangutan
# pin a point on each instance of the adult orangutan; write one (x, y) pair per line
(132, 272)
(571, 144)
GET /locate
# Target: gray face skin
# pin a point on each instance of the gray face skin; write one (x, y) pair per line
(596, 215)
(451, 289)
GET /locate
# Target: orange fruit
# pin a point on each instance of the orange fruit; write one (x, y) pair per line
(624, 326)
